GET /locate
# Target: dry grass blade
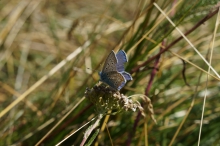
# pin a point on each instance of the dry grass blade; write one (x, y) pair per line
(210, 62)
(153, 28)
(61, 120)
(195, 65)
(15, 93)
(44, 78)
(210, 67)
(187, 40)
(16, 28)
(74, 132)
(12, 20)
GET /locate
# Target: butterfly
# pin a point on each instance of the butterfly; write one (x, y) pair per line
(113, 72)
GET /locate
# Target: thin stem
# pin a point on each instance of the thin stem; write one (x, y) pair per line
(90, 129)
(67, 123)
(210, 61)
(200, 55)
(131, 133)
(153, 73)
(74, 132)
(207, 17)
(58, 123)
(145, 131)
(103, 127)
(45, 77)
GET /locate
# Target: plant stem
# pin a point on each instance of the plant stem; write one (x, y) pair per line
(90, 129)
(153, 73)
(207, 17)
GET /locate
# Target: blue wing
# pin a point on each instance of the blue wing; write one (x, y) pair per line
(122, 85)
(122, 59)
(113, 72)
(127, 77)
(114, 79)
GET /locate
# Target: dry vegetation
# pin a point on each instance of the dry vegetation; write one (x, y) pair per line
(50, 52)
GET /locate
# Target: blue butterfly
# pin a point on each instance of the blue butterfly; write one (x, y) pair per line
(113, 72)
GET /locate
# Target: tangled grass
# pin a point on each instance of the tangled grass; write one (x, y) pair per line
(50, 51)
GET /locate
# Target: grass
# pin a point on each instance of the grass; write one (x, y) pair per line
(51, 52)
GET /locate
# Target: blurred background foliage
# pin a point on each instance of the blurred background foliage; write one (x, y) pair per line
(35, 36)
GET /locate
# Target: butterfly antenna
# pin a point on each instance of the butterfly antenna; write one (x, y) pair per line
(94, 70)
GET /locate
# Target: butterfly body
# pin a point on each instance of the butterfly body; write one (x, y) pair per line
(113, 72)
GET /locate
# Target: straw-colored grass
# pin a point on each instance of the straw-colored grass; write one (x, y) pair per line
(51, 53)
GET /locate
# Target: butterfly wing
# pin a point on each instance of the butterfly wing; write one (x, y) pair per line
(114, 79)
(113, 72)
(127, 77)
(110, 63)
(122, 59)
